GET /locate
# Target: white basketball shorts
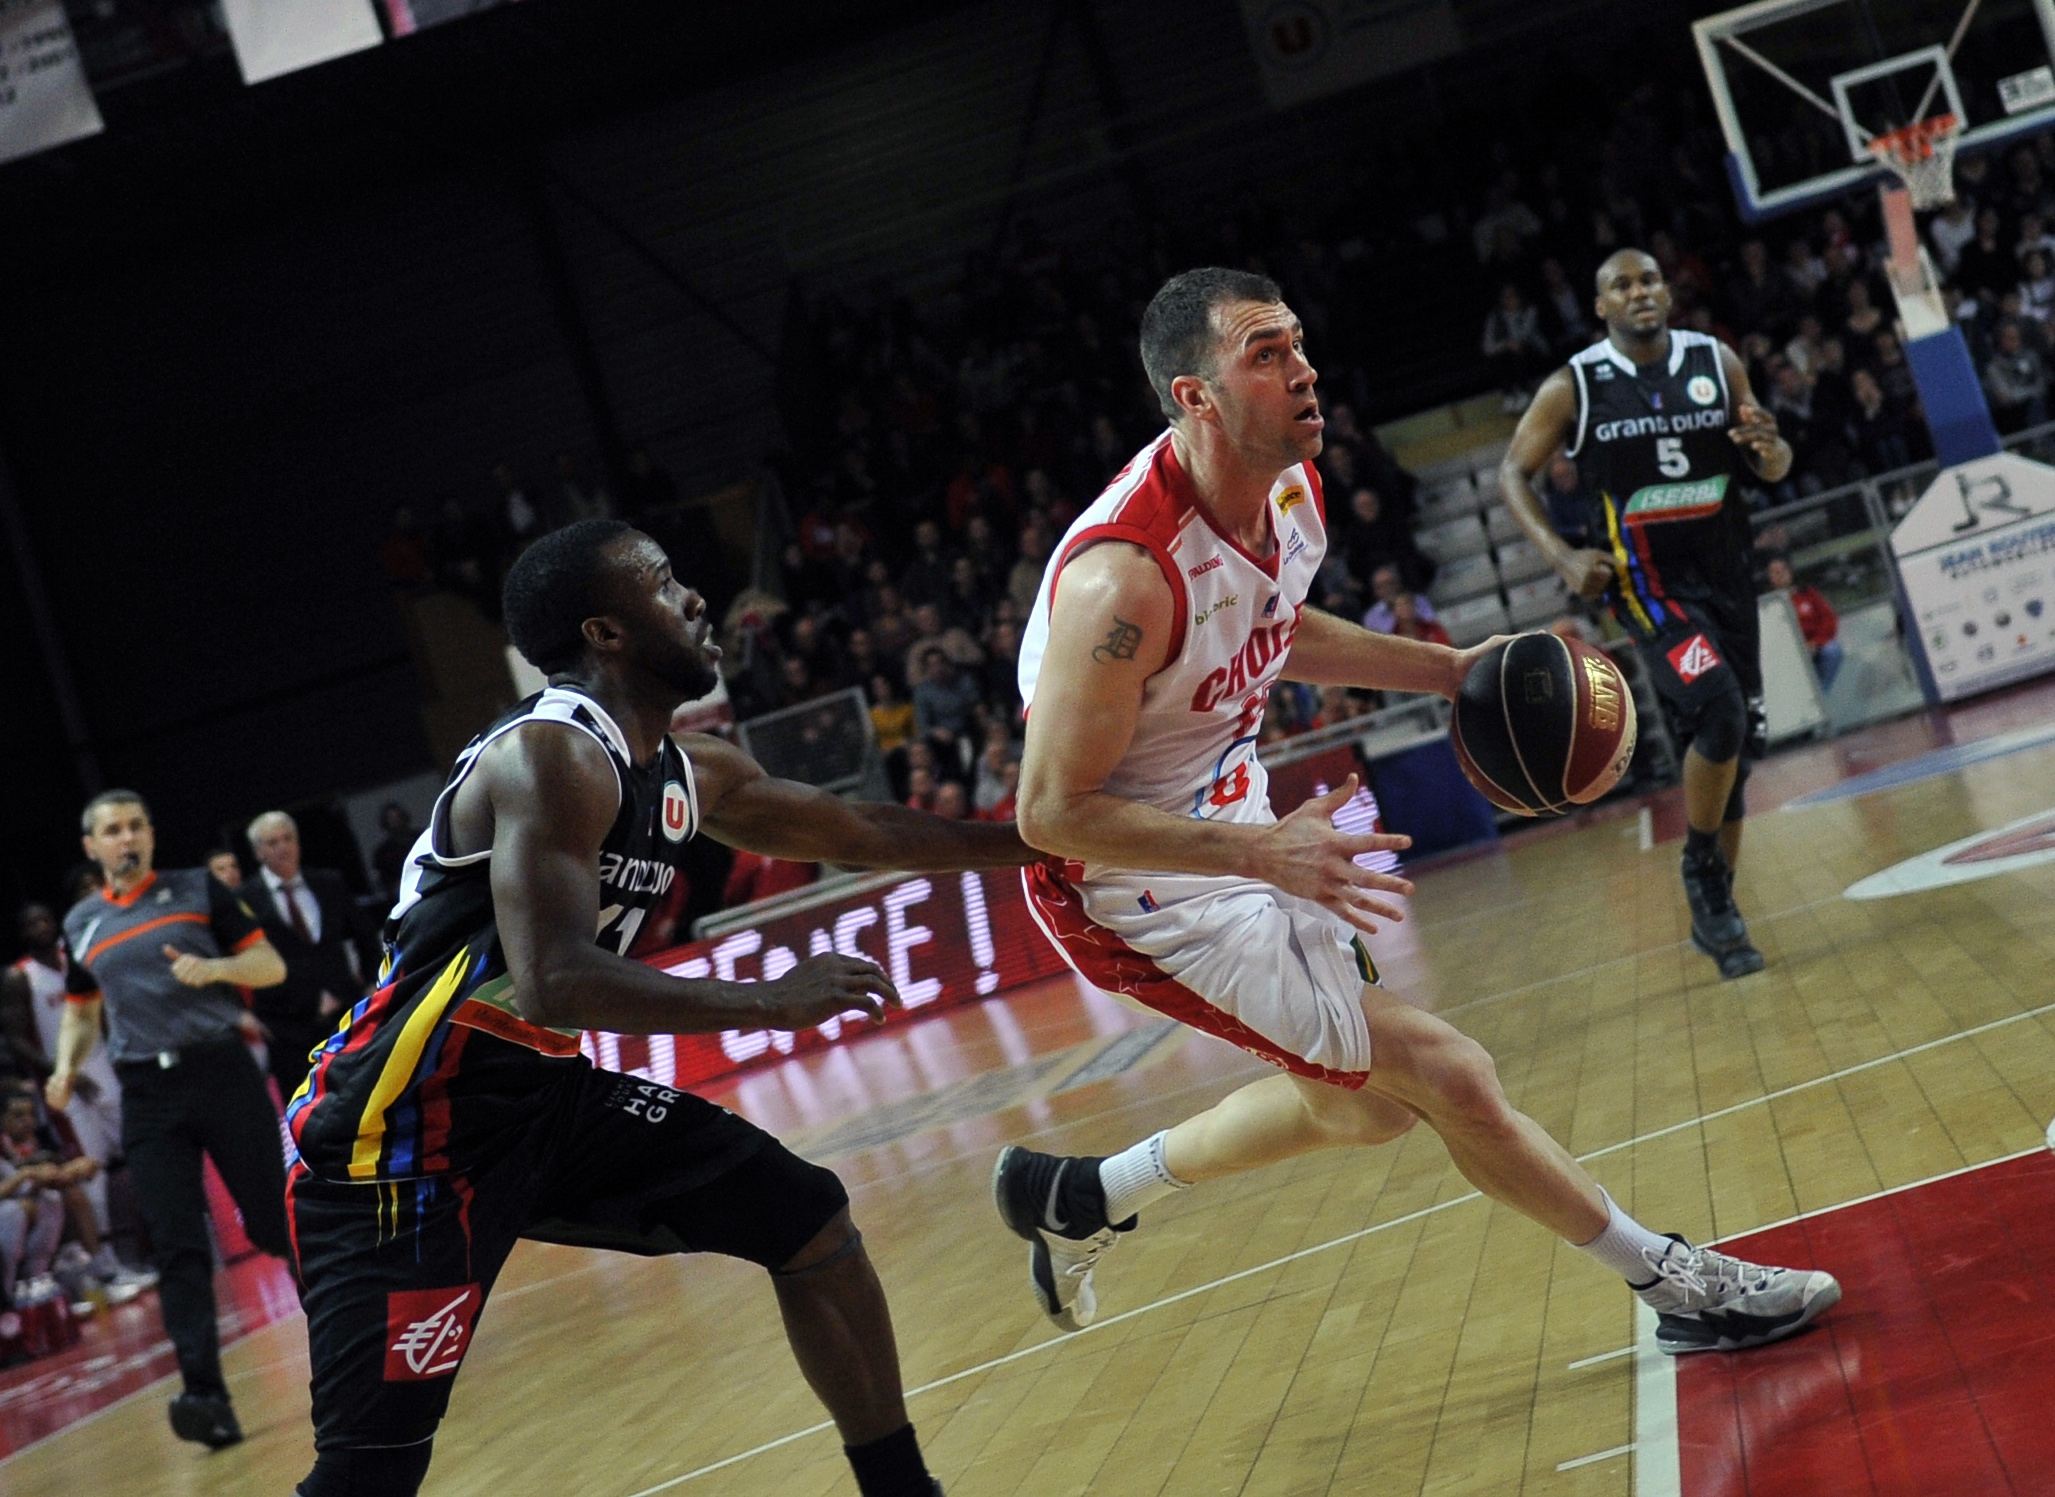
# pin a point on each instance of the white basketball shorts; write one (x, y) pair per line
(1275, 974)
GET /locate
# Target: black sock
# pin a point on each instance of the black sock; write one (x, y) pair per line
(1699, 844)
(890, 1467)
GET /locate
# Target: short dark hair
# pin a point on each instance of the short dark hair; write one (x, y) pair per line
(111, 798)
(554, 587)
(1177, 328)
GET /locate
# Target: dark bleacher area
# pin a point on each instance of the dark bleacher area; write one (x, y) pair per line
(954, 435)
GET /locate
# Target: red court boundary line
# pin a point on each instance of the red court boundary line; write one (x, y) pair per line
(1656, 1445)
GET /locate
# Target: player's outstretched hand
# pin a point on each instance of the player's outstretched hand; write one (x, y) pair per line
(1305, 854)
(821, 987)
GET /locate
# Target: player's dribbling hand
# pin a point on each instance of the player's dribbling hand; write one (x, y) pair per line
(1305, 854)
(1461, 661)
(822, 987)
(1588, 573)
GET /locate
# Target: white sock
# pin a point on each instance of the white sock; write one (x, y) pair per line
(1136, 1177)
(1625, 1246)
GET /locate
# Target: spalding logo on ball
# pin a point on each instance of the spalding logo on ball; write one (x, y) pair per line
(1542, 724)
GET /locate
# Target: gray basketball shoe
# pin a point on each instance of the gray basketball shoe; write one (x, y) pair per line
(1707, 1301)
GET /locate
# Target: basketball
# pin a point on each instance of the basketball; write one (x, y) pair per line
(1542, 724)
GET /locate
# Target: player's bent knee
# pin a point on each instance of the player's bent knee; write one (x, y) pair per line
(1468, 1088)
(837, 1240)
(1722, 724)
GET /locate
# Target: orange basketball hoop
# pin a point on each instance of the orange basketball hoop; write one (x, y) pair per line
(1923, 155)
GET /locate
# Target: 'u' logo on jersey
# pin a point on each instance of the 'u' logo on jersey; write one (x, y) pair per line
(677, 812)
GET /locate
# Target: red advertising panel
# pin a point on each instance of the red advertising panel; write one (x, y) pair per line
(945, 938)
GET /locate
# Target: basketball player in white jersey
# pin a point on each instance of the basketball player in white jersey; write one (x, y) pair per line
(1172, 606)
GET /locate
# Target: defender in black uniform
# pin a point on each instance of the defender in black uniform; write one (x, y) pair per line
(1659, 423)
(452, 1113)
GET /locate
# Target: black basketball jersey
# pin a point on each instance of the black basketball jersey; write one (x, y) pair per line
(437, 1067)
(1653, 450)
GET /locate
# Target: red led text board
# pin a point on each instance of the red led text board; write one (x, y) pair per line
(945, 938)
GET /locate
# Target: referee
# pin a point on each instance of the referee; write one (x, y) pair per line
(160, 951)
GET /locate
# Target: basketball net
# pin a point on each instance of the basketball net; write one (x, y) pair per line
(1923, 156)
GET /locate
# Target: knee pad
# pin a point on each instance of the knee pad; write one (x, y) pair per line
(375, 1471)
(1722, 724)
(1737, 803)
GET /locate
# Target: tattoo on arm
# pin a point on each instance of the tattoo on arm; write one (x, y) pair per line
(1119, 644)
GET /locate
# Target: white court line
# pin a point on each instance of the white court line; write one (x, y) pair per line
(1644, 1372)
(1645, 826)
(1604, 1356)
(1593, 1459)
(1655, 1411)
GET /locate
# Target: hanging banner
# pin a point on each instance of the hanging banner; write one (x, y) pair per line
(44, 97)
(282, 36)
(1976, 556)
(1307, 48)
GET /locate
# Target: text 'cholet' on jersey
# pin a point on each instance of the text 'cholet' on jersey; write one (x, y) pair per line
(1194, 748)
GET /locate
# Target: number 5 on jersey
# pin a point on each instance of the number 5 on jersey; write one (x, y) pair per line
(1671, 458)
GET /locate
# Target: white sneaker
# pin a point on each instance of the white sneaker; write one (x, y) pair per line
(1043, 1198)
(126, 1284)
(1707, 1301)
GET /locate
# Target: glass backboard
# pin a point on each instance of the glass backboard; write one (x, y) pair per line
(1803, 85)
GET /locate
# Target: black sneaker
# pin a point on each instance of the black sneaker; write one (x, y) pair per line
(1716, 925)
(1057, 1205)
(205, 1420)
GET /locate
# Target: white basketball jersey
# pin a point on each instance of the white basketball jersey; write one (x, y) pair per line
(46, 998)
(1194, 749)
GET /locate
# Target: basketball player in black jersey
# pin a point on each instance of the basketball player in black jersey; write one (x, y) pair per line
(452, 1113)
(1660, 423)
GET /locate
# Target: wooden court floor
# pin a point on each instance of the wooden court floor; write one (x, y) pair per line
(1351, 1322)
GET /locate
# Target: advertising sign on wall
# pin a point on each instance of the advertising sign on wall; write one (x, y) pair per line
(945, 939)
(1976, 556)
(44, 98)
(273, 38)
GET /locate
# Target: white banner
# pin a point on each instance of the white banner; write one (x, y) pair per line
(1307, 48)
(44, 97)
(282, 36)
(1977, 557)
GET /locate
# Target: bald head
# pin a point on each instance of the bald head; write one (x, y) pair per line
(1633, 300)
(1625, 261)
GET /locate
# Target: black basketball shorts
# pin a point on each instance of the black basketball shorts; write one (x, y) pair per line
(394, 1276)
(1701, 654)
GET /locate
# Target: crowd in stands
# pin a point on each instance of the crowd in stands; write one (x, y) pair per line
(944, 442)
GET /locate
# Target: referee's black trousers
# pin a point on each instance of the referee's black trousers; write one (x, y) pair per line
(212, 1101)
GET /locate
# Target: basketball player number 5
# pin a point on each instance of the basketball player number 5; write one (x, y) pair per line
(1670, 457)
